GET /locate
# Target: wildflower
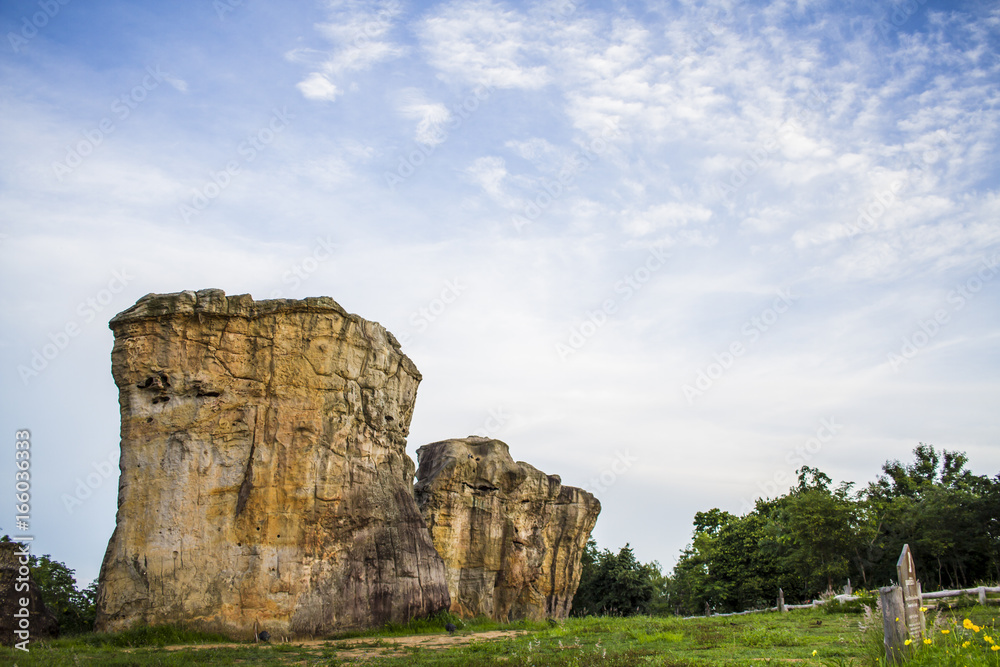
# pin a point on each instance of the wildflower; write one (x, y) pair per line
(965, 644)
(928, 642)
(922, 609)
(967, 624)
(814, 651)
(995, 648)
(987, 639)
(944, 632)
(907, 642)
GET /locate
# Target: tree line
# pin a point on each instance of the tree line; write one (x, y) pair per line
(812, 539)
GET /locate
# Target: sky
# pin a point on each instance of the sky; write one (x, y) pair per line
(668, 251)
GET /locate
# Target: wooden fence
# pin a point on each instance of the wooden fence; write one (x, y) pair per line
(903, 607)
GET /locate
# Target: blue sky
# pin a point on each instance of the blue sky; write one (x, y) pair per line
(669, 251)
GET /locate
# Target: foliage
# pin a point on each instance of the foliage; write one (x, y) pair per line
(815, 537)
(74, 608)
(615, 584)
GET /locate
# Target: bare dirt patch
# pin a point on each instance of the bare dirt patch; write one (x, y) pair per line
(360, 648)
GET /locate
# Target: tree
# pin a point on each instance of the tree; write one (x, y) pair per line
(615, 584)
(74, 609)
(945, 513)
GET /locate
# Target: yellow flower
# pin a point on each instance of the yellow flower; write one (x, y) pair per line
(814, 652)
(907, 642)
(965, 644)
(923, 609)
(967, 624)
(944, 632)
(987, 639)
(995, 648)
(928, 642)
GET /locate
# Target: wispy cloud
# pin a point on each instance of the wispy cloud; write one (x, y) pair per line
(360, 35)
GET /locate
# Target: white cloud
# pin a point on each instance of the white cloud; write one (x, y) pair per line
(489, 173)
(360, 34)
(483, 43)
(317, 87)
(431, 117)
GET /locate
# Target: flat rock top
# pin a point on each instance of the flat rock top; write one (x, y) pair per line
(483, 460)
(215, 302)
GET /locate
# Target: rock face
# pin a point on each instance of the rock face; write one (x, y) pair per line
(510, 535)
(42, 622)
(264, 476)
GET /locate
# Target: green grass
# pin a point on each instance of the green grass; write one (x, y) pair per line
(757, 639)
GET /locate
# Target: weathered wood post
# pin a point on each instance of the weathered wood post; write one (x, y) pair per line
(912, 615)
(893, 624)
(781, 600)
(982, 595)
(708, 610)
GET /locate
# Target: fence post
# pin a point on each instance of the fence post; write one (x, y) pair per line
(781, 600)
(708, 610)
(893, 624)
(912, 616)
(982, 595)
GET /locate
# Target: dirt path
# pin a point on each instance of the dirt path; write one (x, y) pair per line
(371, 647)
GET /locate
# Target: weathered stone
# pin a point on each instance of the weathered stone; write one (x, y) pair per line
(510, 535)
(264, 476)
(17, 586)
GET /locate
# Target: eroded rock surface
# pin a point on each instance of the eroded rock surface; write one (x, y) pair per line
(510, 535)
(264, 476)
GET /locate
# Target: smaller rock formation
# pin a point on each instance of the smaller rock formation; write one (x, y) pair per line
(511, 536)
(16, 584)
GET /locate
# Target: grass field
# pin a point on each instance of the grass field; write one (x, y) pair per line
(805, 637)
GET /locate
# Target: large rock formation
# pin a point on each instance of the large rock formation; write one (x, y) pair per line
(264, 476)
(510, 535)
(17, 584)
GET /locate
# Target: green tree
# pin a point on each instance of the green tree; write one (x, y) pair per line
(74, 608)
(823, 527)
(945, 513)
(615, 584)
